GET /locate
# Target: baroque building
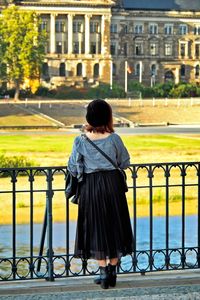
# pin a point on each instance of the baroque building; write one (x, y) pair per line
(160, 40)
(92, 41)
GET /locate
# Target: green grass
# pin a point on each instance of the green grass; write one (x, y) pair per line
(49, 150)
(54, 150)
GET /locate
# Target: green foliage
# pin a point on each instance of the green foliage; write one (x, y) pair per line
(15, 161)
(64, 92)
(45, 92)
(163, 89)
(104, 91)
(184, 90)
(135, 86)
(22, 46)
(160, 90)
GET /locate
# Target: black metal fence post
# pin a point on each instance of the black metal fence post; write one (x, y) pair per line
(49, 197)
(198, 255)
(14, 180)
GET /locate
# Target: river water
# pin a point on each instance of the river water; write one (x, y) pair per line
(142, 240)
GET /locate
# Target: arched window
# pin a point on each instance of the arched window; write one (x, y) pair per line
(153, 70)
(45, 70)
(79, 69)
(182, 71)
(62, 70)
(197, 71)
(114, 70)
(96, 70)
(137, 70)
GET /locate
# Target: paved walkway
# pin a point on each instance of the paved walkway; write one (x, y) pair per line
(179, 285)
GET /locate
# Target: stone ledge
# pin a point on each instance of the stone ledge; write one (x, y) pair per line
(165, 282)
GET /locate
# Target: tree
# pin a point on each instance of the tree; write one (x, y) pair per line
(22, 46)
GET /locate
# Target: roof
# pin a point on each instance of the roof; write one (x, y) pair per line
(180, 5)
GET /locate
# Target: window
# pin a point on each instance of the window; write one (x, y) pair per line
(125, 46)
(79, 69)
(94, 27)
(113, 28)
(62, 70)
(137, 69)
(60, 26)
(182, 71)
(183, 50)
(168, 49)
(138, 49)
(45, 70)
(78, 26)
(183, 29)
(197, 71)
(96, 70)
(44, 26)
(153, 70)
(114, 70)
(197, 30)
(59, 47)
(168, 29)
(126, 28)
(153, 28)
(93, 48)
(153, 49)
(76, 47)
(197, 50)
(138, 29)
(113, 48)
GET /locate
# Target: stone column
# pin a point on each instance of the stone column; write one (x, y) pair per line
(52, 34)
(187, 49)
(102, 34)
(105, 34)
(70, 34)
(193, 50)
(177, 75)
(87, 34)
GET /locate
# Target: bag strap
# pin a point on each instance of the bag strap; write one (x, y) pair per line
(102, 152)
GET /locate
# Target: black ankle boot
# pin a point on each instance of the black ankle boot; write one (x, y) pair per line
(103, 278)
(112, 276)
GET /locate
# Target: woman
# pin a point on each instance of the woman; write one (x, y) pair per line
(103, 228)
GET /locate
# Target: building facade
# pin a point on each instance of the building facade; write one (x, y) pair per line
(92, 41)
(78, 48)
(160, 41)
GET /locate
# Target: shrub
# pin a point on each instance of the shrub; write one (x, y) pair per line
(184, 90)
(104, 91)
(163, 89)
(45, 92)
(64, 92)
(15, 162)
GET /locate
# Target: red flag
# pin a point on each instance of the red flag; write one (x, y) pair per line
(129, 70)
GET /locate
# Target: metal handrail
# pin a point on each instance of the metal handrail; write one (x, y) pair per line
(183, 176)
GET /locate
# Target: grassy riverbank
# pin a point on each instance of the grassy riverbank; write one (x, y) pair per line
(52, 150)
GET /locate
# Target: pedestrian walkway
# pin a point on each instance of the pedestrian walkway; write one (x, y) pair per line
(179, 285)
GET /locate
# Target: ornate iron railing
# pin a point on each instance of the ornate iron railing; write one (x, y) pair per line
(37, 228)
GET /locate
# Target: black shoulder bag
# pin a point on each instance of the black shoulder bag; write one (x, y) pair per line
(122, 172)
(72, 188)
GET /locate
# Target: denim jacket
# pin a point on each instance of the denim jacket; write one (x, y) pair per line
(86, 159)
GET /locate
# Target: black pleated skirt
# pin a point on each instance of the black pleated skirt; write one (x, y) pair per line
(103, 227)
